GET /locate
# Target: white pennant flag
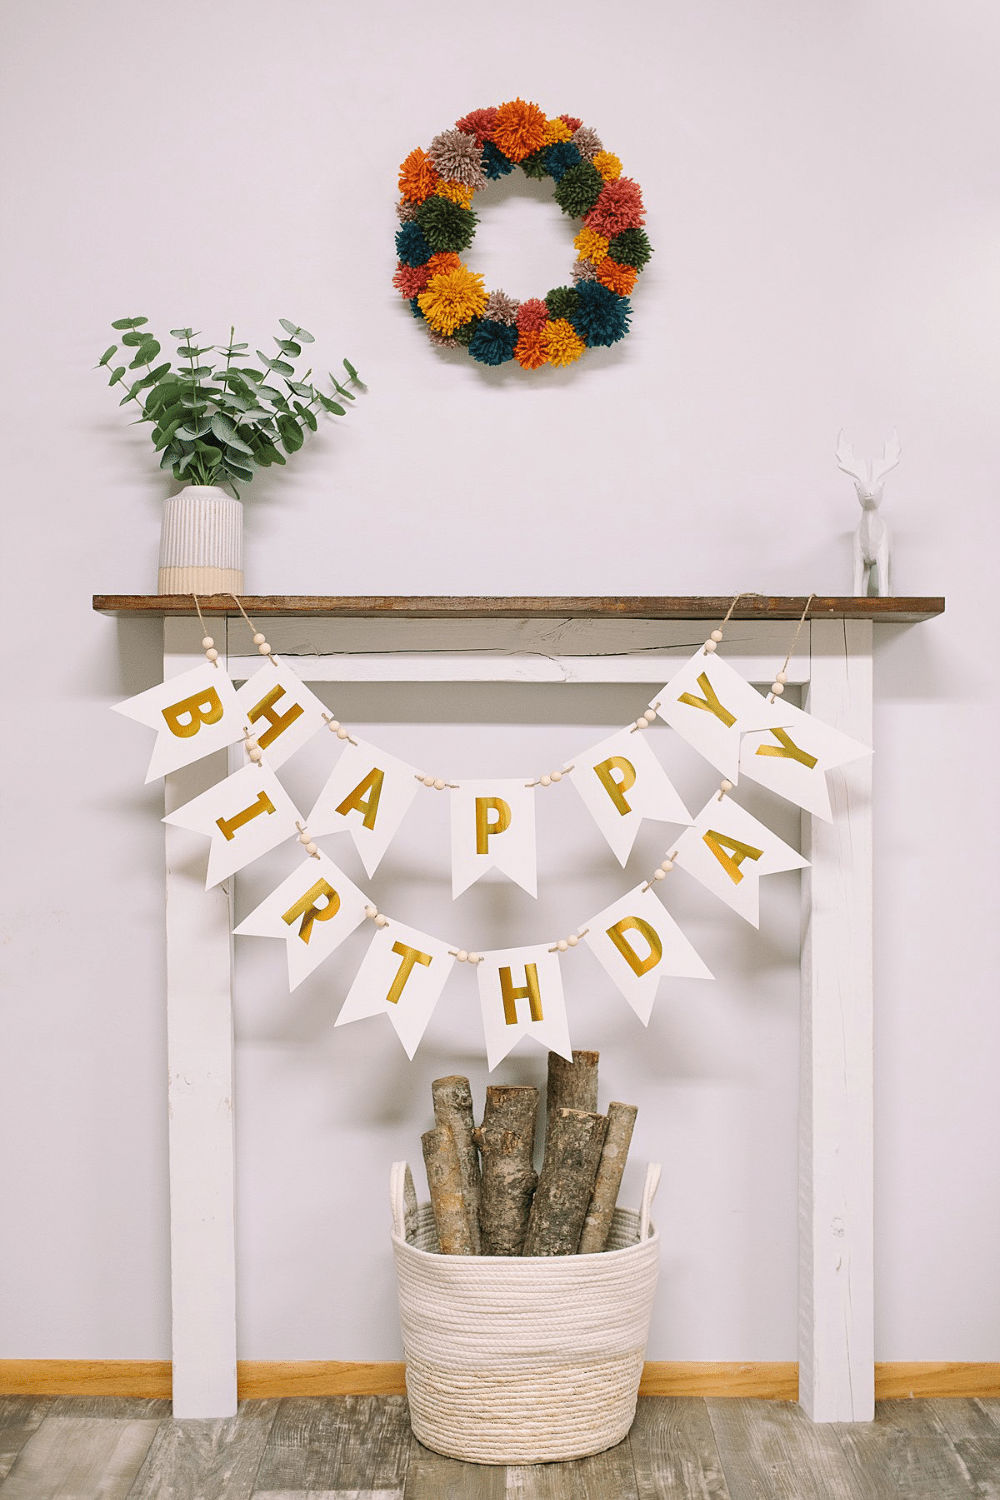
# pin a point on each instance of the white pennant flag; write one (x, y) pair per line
(193, 714)
(521, 994)
(367, 795)
(711, 706)
(621, 782)
(493, 824)
(638, 943)
(401, 976)
(245, 815)
(314, 910)
(279, 710)
(729, 851)
(793, 760)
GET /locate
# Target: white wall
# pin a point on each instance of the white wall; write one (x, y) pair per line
(822, 196)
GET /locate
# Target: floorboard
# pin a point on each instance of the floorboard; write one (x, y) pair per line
(431, 1476)
(206, 1460)
(337, 1443)
(79, 1458)
(674, 1451)
(20, 1416)
(132, 1408)
(600, 1477)
(769, 1450)
(974, 1434)
(904, 1453)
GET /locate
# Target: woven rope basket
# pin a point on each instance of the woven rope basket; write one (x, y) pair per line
(514, 1360)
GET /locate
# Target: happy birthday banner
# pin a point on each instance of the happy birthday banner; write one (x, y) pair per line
(368, 793)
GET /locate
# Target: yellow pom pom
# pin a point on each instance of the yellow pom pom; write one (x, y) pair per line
(452, 299)
(455, 192)
(563, 345)
(608, 165)
(590, 245)
(557, 130)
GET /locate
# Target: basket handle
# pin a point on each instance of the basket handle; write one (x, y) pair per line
(402, 1197)
(652, 1182)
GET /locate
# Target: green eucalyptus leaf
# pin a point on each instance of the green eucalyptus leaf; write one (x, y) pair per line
(133, 340)
(182, 333)
(129, 322)
(272, 454)
(209, 452)
(111, 349)
(299, 388)
(117, 375)
(307, 416)
(288, 347)
(225, 430)
(329, 405)
(152, 377)
(198, 373)
(340, 389)
(291, 433)
(251, 374)
(146, 354)
(351, 370)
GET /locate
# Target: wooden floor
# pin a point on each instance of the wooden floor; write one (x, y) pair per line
(361, 1448)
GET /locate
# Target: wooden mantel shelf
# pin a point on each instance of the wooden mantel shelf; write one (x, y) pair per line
(899, 611)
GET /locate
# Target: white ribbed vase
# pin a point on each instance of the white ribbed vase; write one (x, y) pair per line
(201, 542)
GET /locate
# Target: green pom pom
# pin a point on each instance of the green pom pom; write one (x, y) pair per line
(562, 302)
(446, 225)
(534, 165)
(466, 332)
(631, 248)
(578, 190)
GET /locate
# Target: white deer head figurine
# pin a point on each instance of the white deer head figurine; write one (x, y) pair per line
(871, 540)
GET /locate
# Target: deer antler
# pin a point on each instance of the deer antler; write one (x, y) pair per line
(856, 467)
(890, 458)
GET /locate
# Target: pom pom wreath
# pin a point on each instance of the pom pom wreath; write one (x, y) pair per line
(493, 343)
(601, 317)
(557, 130)
(417, 177)
(455, 192)
(438, 223)
(606, 162)
(446, 226)
(562, 343)
(519, 129)
(562, 302)
(452, 298)
(411, 247)
(631, 248)
(479, 122)
(619, 207)
(559, 158)
(529, 350)
(495, 164)
(616, 278)
(501, 308)
(591, 246)
(587, 142)
(579, 190)
(532, 315)
(410, 280)
(457, 156)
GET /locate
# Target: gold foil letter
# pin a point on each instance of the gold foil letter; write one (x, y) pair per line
(616, 789)
(709, 703)
(356, 801)
(199, 709)
(410, 956)
(484, 806)
(265, 710)
(307, 909)
(720, 842)
(529, 992)
(263, 804)
(787, 749)
(639, 966)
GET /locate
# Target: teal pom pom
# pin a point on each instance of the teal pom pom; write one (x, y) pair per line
(493, 343)
(495, 164)
(559, 158)
(601, 317)
(411, 247)
(446, 225)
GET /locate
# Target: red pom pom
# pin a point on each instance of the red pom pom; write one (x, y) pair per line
(532, 315)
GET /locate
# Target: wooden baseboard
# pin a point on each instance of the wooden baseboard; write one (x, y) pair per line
(257, 1379)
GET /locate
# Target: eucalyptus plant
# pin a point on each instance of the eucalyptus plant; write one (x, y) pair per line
(218, 420)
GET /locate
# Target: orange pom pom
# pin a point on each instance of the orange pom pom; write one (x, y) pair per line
(529, 351)
(445, 260)
(561, 342)
(519, 129)
(417, 176)
(615, 277)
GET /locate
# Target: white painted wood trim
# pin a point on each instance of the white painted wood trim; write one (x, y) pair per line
(836, 1258)
(200, 1092)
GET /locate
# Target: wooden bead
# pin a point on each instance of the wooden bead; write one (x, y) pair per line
(777, 688)
(256, 756)
(781, 676)
(311, 848)
(264, 650)
(659, 874)
(642, 722)
(427, 780)
(716, 636)
(342, 733)
(212, 654)
(304, 836)
(650, 713)
(666, 867)
(556, 776)
(725, 786)
(710, 646)
(462, 956)
(572, 940)
(259, 639)
(545, 781)
(381, 920)
(439, 785)
(562, 944)
(207, 642)
(333, 725)
(371, 911)
(473, 958)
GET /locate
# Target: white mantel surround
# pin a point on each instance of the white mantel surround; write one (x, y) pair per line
(552, 640)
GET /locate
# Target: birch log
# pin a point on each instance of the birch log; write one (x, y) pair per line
(506, 1140)
(444, 1179)
(571, 1085)
(453, 1111)
(567, 1182)
(597, 1224)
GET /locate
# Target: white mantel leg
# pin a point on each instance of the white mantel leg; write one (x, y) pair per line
(200, 1071)
(836, 1261)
